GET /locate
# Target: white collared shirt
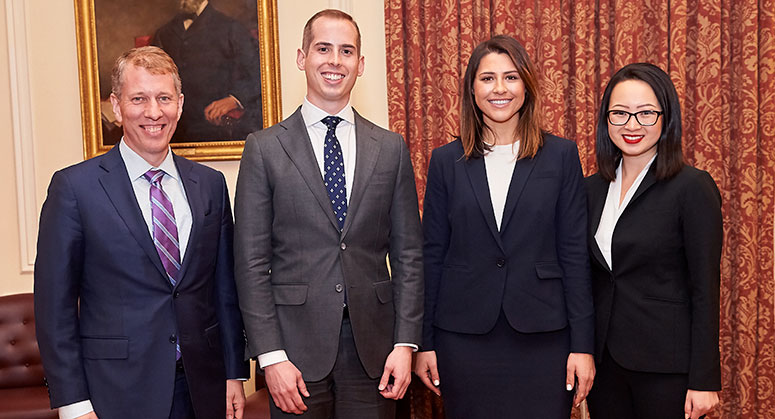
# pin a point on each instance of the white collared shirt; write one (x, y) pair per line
(612, 209)
(136, 167)
(345, 133)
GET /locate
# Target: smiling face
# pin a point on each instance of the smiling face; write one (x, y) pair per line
(148, 108)
(331, 64)
(634, 139)
(498, 90)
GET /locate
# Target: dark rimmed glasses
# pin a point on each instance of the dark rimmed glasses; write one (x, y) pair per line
(645, 118)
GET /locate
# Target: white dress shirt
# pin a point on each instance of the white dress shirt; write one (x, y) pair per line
(136, 167)
(612, 209)
(499, 164)
(345, 133)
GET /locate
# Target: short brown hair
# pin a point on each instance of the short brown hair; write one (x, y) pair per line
(153, 59)
(306, 39)
(472, 124)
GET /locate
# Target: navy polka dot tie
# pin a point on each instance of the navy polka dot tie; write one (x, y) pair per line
(334, 173)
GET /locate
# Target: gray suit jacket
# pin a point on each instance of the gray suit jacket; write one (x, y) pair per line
(293, 264)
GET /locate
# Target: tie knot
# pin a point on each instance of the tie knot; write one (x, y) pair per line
(154, 175)
(331, 121)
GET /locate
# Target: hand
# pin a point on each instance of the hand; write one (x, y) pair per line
(426, 368)
(215, 111)
(235, 399)
(581, 369)
(699, 403)
(284, 382)
(90, 415)
(398, 365)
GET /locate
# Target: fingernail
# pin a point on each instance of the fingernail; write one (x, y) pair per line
(436, 383)
(381, 387)
(569, 387)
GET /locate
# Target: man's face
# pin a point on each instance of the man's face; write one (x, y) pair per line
(190, 6)
(148, 109)
(331, 64)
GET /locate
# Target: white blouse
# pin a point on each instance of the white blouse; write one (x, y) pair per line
(612, 209)
(499, 164)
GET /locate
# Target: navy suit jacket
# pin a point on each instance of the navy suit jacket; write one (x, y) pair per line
(535, 268)
(106, 315)
(216, 57)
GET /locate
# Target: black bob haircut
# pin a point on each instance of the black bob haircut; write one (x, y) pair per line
(669, 159)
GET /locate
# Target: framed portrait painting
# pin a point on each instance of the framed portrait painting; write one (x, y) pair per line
(226, 52)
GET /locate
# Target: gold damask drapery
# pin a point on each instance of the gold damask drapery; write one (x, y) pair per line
(721, 56)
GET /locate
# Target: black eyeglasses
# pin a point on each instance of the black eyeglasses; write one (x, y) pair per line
(645, 118)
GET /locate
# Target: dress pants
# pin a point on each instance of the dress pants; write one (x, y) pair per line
(504, 373)
(622, 393)
(347, 392)
(181, 399)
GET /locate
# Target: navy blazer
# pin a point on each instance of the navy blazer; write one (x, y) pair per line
(107, 317)
(658, 309)
(535, 269)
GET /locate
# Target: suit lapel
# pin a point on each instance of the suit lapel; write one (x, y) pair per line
(193, 195)
(366, 152)
(597, 196)
(477, 175)
(648, 180)
(296, 143)
(519, 177)
(118, 187)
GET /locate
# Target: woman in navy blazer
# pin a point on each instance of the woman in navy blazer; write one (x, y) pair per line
(655, 233)
(508, 307)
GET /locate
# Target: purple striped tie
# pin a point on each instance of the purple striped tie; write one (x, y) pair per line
(165, 230)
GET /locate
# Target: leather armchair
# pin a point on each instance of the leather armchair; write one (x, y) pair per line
(257, 404)
(23, 392)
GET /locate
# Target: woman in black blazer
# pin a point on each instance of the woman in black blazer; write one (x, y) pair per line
(508, 304)
(655, 235)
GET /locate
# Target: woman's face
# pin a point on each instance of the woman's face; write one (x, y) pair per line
(498, 90)
(632, 138)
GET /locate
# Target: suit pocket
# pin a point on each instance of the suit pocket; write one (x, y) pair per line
(105, 348)
(213, 335)
(384, 290)
(666, 300)
(290, 294)
(548, 270)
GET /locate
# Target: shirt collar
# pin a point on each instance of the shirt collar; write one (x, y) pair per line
(136, 166)
(313, 115)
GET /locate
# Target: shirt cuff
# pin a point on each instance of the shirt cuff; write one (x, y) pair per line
(414, 347)
(72, 411)
(271, 358)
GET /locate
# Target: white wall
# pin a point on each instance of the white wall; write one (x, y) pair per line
(54, 138)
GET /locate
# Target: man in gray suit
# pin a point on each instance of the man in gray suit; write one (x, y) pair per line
(322, 199)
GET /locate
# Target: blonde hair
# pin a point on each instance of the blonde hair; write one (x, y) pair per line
(153, 59)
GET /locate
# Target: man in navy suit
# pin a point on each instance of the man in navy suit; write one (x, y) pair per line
(135, 301)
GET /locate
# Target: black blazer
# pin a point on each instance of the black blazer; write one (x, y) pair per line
(535, 269)
(658, 309)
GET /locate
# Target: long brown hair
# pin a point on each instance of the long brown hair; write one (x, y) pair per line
(472, 124)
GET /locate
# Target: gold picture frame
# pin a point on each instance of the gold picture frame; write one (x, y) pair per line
(89, 75)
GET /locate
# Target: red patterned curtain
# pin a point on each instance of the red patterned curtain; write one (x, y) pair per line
(721, 57)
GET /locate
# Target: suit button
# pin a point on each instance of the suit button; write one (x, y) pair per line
(176, 294)
(173, 339)
(500, 262)
(339, 288)
(343, 246)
